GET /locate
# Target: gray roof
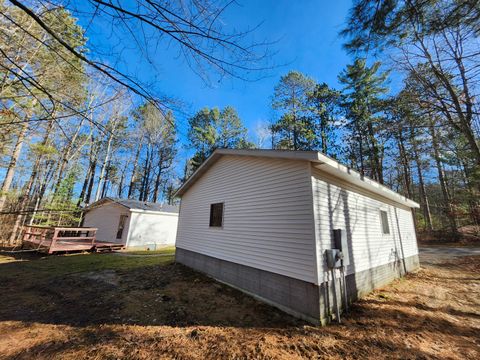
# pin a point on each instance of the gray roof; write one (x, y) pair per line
(138, 205)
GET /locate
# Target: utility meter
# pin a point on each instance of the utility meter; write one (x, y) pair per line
(341, 243)
(334, 258)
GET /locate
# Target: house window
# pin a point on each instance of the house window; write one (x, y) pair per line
(384, 222)
(216, 215)
(121, 226)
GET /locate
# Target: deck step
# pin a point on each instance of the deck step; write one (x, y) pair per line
(109, 248)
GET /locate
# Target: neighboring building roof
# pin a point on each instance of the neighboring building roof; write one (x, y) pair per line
(318, 159)
(136, 205)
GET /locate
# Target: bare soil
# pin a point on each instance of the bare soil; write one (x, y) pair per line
(117, 309)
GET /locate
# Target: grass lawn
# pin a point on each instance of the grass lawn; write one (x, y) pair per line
(112, 306)
(167, 250)
(33, 266)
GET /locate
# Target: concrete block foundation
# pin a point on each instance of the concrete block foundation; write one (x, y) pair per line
(301, 299)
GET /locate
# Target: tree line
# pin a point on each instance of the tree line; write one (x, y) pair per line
(73, 133)
(75, 126)
(423, 139)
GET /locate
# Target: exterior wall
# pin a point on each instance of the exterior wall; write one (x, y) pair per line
(106, 218)
(268, 215)
(150, 230)
(343, 206)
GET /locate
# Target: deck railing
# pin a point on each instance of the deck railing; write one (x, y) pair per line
(50, 239)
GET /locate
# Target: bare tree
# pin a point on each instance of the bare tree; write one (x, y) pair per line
(193, 28)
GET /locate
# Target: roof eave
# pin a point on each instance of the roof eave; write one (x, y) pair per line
(277, 154)
(345, 173)
(320, 160)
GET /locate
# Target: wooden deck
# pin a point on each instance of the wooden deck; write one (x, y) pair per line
(64, 239)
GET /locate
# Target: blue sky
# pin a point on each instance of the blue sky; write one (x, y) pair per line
(308, 41)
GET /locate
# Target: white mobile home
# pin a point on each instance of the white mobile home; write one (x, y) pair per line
(262, 220)
(133, 223)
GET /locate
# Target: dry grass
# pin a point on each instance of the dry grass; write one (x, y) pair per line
(115, 307)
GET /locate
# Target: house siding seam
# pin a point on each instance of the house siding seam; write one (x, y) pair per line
(359, 214)
(267, 218)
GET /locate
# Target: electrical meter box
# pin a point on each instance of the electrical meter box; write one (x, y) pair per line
(334, 258)
(341, 243)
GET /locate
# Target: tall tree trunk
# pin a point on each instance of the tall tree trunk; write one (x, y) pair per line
(323, 134)
(473, 202)
(91, 180)
(28, 198)
(122, 179)
(157, 186)
(158, 179)
(357, 132)
(66, 156)
(105, 182)
(92, 162)
(38, 160)
(16, 226)
(39, 193)
(17, 150)
(448, 209)
(146, 178)
(377, 170)
(81, 198)
(421, 184)
(405, 164)
(103, 170)
(134, 170)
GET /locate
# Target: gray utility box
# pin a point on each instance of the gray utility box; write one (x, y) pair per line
(334, 258)
(341, 243)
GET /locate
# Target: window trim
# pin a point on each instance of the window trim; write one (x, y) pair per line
(382, 223)
(210, 224)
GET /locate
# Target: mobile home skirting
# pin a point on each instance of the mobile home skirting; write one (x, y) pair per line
(296, 297)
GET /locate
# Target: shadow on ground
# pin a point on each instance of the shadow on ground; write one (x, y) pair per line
(131, 309)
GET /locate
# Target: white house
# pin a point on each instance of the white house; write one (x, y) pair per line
(261, 221)
(136, 224)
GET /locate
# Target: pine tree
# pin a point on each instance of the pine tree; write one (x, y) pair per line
(210, 129)
(294, 128)
(324, 108)
(363, 102)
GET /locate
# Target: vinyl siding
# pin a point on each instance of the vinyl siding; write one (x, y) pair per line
(151, 230)
(106, 218)
(268, 215)
(339, 205)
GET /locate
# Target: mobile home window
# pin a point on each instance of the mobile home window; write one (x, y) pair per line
(121, 226)
(384, 222)
(216, 215)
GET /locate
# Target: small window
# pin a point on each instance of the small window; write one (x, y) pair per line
(216, 215)
(121, 225)
(384, 222)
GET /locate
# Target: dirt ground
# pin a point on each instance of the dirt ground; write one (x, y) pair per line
(118, 307)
